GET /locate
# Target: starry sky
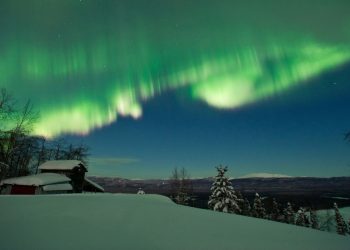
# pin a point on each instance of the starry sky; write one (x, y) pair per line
(153, 85)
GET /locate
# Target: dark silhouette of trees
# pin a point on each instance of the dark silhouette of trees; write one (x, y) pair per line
(275, 211)
(181, 186)
(247, 209)
(16, 146)
(20, 152)
(314, 219)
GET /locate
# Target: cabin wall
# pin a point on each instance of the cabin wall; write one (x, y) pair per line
(23, 189)
(8, 189)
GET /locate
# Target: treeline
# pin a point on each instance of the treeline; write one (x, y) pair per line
(181, 188)
(224, 198)
(20, 152)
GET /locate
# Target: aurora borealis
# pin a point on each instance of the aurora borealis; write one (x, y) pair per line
(86, 64)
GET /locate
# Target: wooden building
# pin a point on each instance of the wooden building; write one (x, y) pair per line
(44, 183)
(61, 176)
(73, 169)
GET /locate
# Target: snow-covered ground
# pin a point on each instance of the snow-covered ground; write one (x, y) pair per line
(110, 221)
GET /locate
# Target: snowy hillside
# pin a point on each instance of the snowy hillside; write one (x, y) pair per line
(108, 221)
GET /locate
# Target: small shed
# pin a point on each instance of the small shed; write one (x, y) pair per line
(75, 170)
(44, 183)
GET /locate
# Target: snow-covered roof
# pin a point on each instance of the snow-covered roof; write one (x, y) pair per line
(94, 184)
(60, 165)
(58, 187)
(37, 180)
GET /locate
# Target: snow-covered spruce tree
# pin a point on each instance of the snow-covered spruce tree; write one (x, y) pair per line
(289, 214)
(313, 219)
(247, 210)
(223, 196)
(258, 207)
(341, 226)
(275, 212)
(240, 201)
(300, 217)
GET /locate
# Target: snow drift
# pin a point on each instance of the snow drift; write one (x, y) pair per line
(109, 221)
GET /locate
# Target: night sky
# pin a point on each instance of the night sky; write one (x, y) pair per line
(260, 86)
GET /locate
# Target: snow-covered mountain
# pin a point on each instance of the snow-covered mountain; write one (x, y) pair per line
(264, 175)
(110, 221)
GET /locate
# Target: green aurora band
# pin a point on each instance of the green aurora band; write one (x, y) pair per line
(85, 63)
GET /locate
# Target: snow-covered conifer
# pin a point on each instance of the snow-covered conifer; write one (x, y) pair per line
(341, 226)
(289, 214)
(223, 196)
(240, 201)
(247, 210)
(300, 218)
(275, 212)
(258, 207)
(313, 219)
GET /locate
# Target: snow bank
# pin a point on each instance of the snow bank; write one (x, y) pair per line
(107, 221)
(60, 165)
(37, 180)
(58, 187)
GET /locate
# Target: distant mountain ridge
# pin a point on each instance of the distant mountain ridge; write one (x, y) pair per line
(332, 186)
(264, 175)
